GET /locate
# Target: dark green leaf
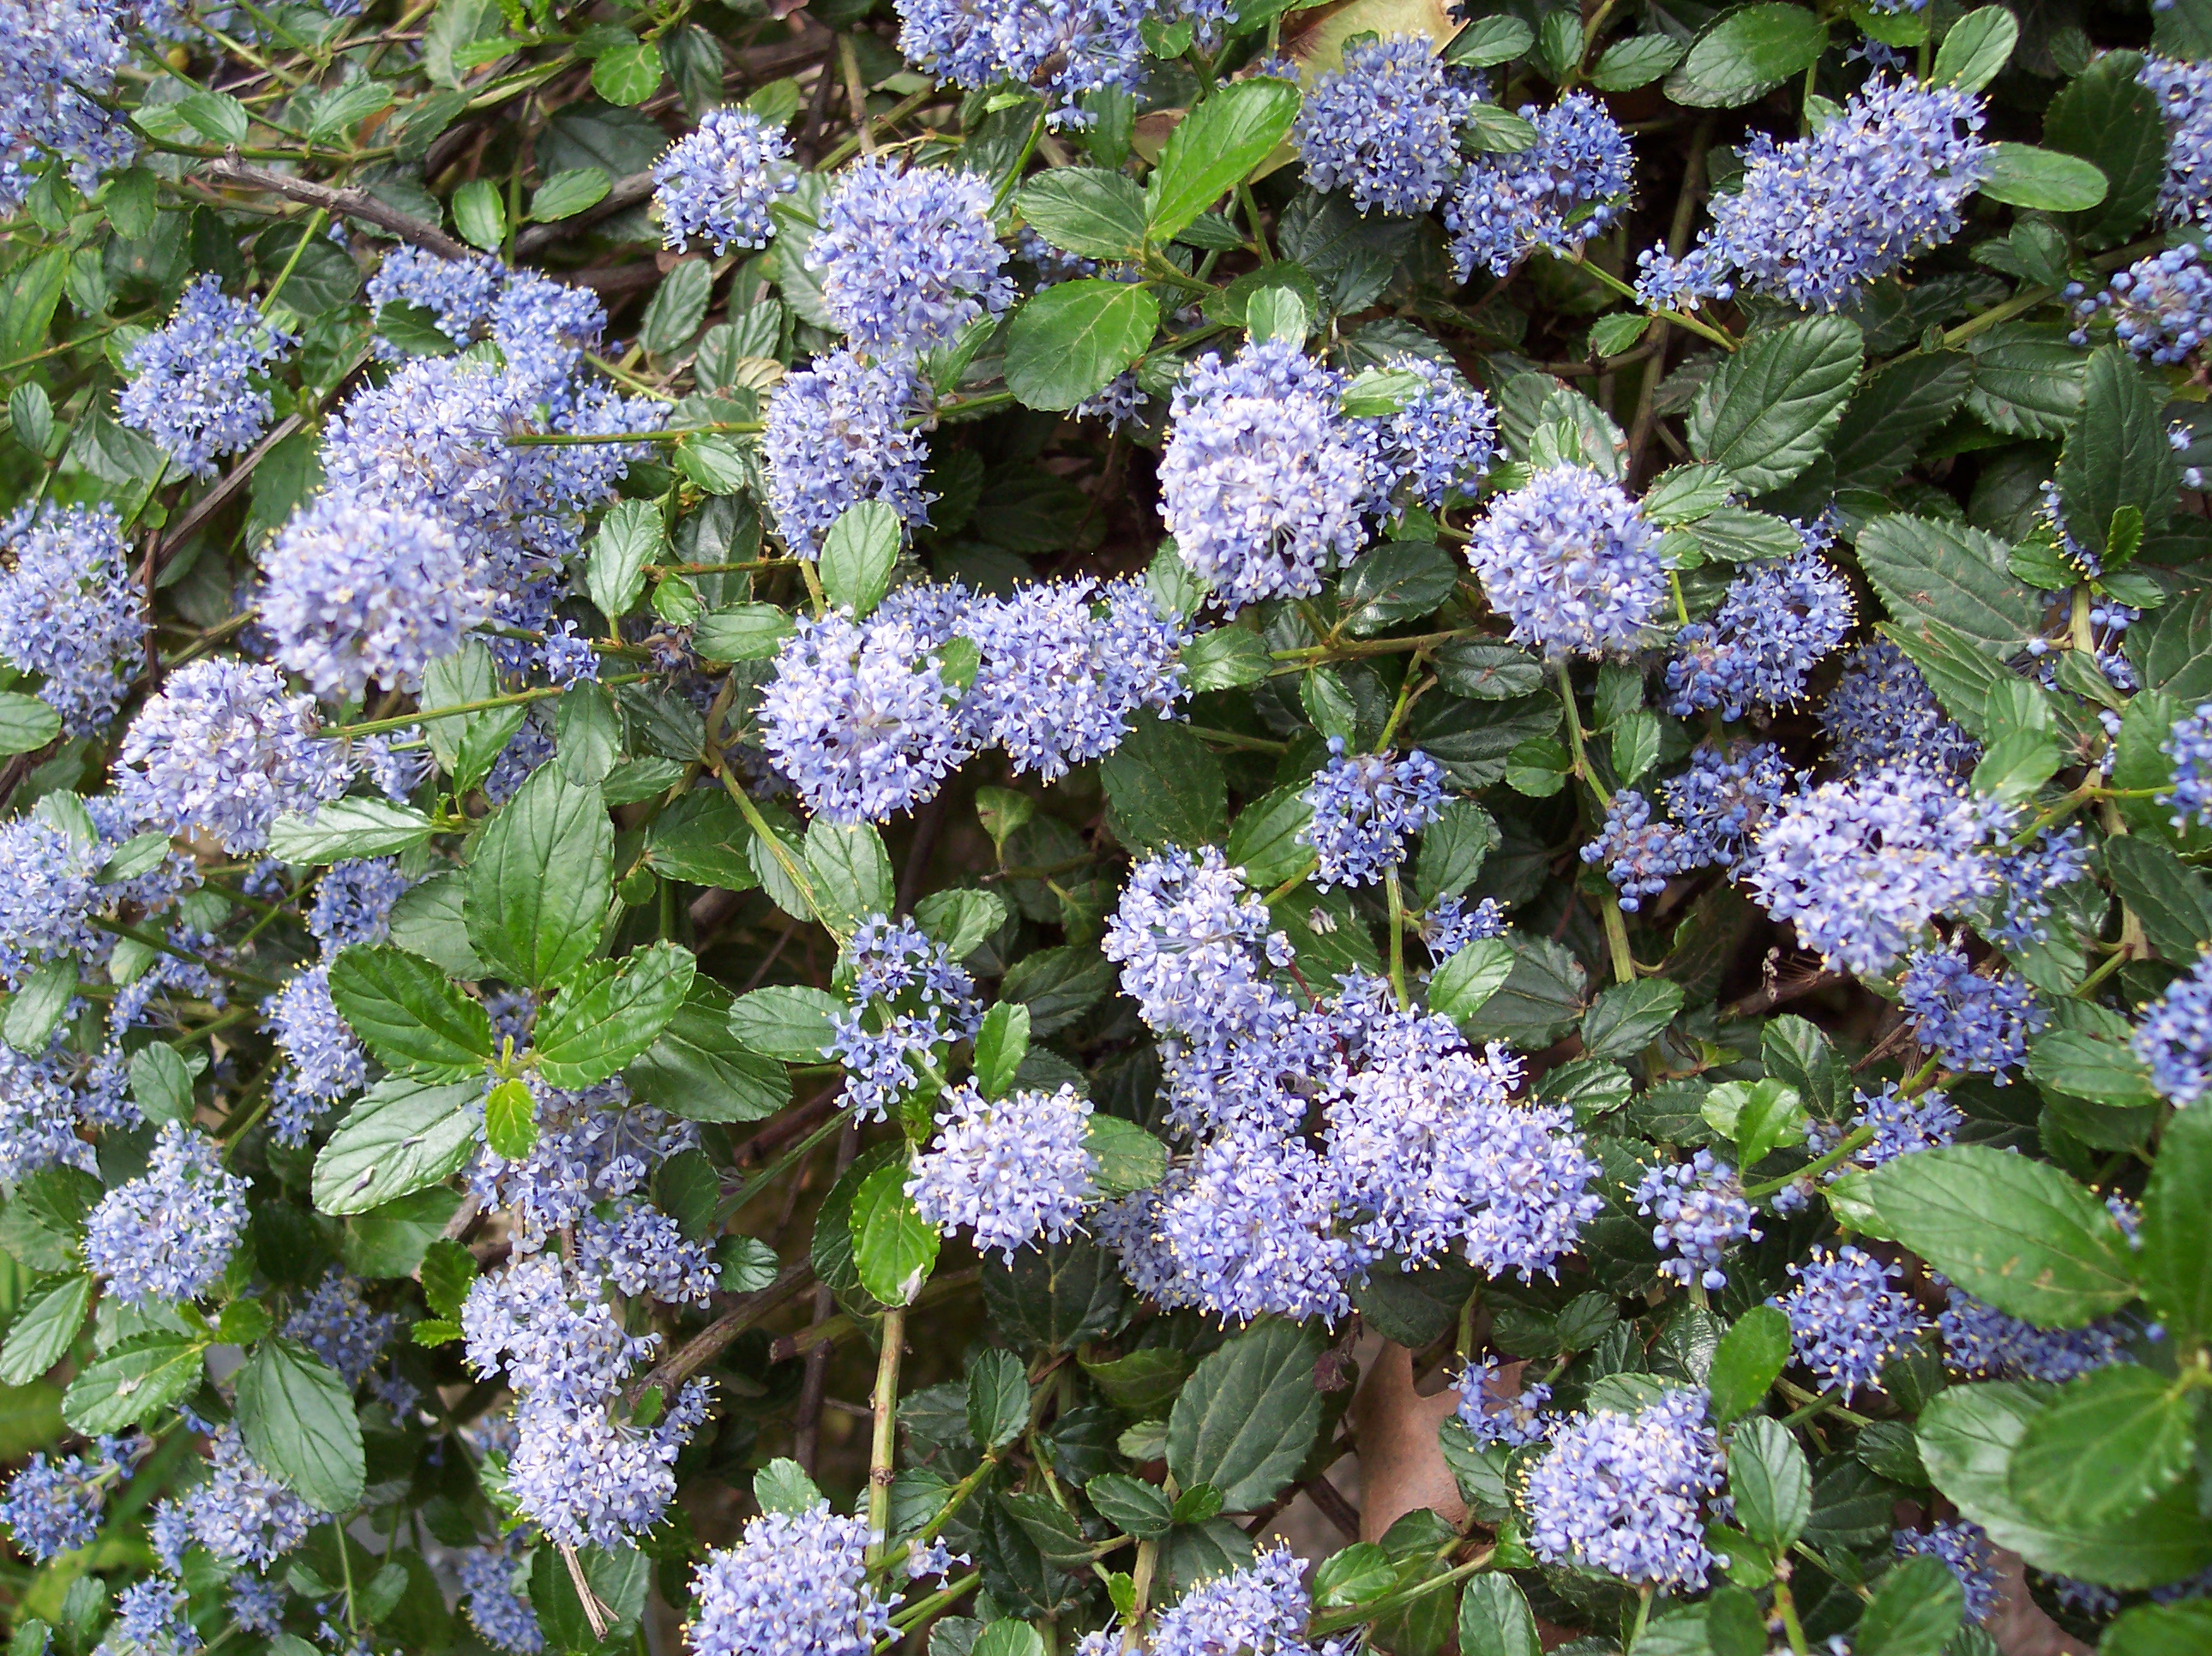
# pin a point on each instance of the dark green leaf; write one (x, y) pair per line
(2021, 175)
(1056, 1296)
(1927, 570)
(1464, 983)
(703, 838)
(1494, 1619)
(1629, 1017)
(1769, 1481)
(297, 1417)
(1769, 411)
(1917, 1607)
(631, 536)
(2182, 1630)
(1166, 788)
(2105, 115)
(1085, 210)
(786, 1021)
(1541, 999)
(1069, 341)
(1127, 1157)
(390, 1241)
(1488, 670)
(1976, 48)
(742, 632)
(2176, 1261)
(1750, 1357)
(1264, 840)
(1746, 52)
(849, 872)
(2117, 456)
(400, 1138)
(1057, 985)
(537, 885)
(894, 1248)
(998, 1400)
(27, 724)
(1249, 1415)
(1626, 64)
(1892, 414)
(2086, 1066)
(405, 1012)
(596, 1026)
(2016, 1233)
(2107, 1445)
(2027, 379)
(1488, 40)
(566, 194)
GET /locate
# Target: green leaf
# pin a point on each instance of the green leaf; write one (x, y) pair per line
(27, 724)
(162, 1083)
(297, 1418)
(850, 872)
(1541, 999)
(858, 555)
(1892, 414)
(2016, 1233)
(1497, 131)
(1124, 1157)
(894, 1248)
(2105, 115)
(1748, 1360)
(2084, 1065)
(630, 536)
(741, 632)
(787, 1022)
(40, 1004)
(1610, 336)
(1001, 1046)
(678, 307)
(1057, 985)
(1927, 570)
(2181, 1629)
(2164, 892)
(46, 1326)
(1057, 1295)
(2106, 1447)
(480, 214)
(536, 889)
(1977, 47)
(1396, 581)
(1166, 788)
(216, 116)
(409, 1015)
(2027, 379)
(1629, 1017)
(402, 1137)
(1249, 1415)
(1461, 985)
(700, 1071)
(1226, 658)
(2176, 1260)
(1760, 1116)
(1085, 210)
(348, 828)
(1069, 341)
(2021, 175)
(568, 193)
(448, 1272)
(1748, 52)
(1624, 66)
(998, 1400)
(1220, 142)
(511, 1119)
(1494, 1619)
(595, 1026)
(390, 1241)
(628, 75)
(2017, 764)
(1129, 1504)
(1487, 40)
(1453, 850)
(133, 1382)
(1769, 411)
(1488, 670)
(1770, 1482)
(2117, 456)
(1916, 1606)
(1967, 1436)
(961, 918)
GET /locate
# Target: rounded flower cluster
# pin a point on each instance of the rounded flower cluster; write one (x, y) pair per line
(795, 1584)
(1442, 439)
(1491, 1416)
(1062, 48)
(2184, 90)
(71, 610)
(717, 183)
(168, 1235)
(1700, 1214)
(1569, 559)
(1363, 810)
(1975, 1024)
(908, 999)
(1384, 128)
(192, 385)
(837, 433)
(1623, 1492)
(1011, 1169)
(1882, 712)
(2160, 305)
(1773, 628)
(908, 257)
(1845, 1321)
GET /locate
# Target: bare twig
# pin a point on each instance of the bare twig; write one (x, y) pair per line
(348, 203)
(706, 1344)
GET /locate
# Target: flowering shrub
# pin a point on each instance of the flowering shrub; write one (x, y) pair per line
(803, 810)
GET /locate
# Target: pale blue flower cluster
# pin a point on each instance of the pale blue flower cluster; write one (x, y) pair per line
(1818, 217)
(908, 999)
(1568, 187)
(1700, 1214)
(1974, 1024)
(353, 901)
(838, 434)
(151, 1618)
(908, 256)
(224, 750)
(61, 58)
(2184, 90)
(2175, 1036)
(1882, 712)
(1450, 925)
(255, 1606)
(1902, 1125)
(1365, 808)
(1196, 949)
(1385, 126)
(1860, 866)
(1263, 1608)
(1265, 481)
(1570, 560)
(169, 1234)
(795, 1584)
(339, 1326)
(71, 610)
(593, 1146)
(2189, 744)
(1846, 1319)
(50, 892)
(717, 182)
(1493, 1417)
(1444, 438)
(324, 1059)
(1013, 1170)
(241, 1514)
(1061, 48)
(54, 1506)
(192, 385)
(1981, 1341)
(2161, 305)
(458, 292)
(1623, 1492)
(1724, 798)
(644, 1253)
(497, 1610)
(1640, 854)
(1963, 1548)
(1774, 626)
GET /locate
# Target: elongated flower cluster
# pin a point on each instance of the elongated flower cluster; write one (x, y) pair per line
(1263, 1608)
(1563, 189)
(717, 182)
(337, 1324)
(1384, 128)
(499, 1613)
(54, 1506)
(1773, 628)
(1060, 48)
(1569, 559)
(61, 56)
(596, 1146)
(2175, 1036)
(1981, 1341)
(1363, 810)
(192, 385)
(1963, 1549)
(2184, 90)
(70, 611)
(1014, 1169)
(1978, 1025)
(168, 1235)
(909, 1000)
(1622, 1493)
(1444, 438)
(837, 434)
(458, 292)
(2189, 744)
(1724, 798)
(52, 894)
(908, 258)
(243, 1515)
(224, 750)
(795, 1584)
(1818, 217)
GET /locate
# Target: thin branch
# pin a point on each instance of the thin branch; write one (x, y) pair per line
(706, 1344)
(348, 203)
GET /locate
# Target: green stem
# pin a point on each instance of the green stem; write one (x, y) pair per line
(458, 709)
(1336, 1620)
(777, 849)
(1849, 1142)
(922, 1608)
(1397, 938)
(885, 1406)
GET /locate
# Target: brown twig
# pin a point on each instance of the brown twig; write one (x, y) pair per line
(806, 1429)
(348, 203)
(706, 1344)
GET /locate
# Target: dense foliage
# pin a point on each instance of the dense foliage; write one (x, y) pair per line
(806, 804)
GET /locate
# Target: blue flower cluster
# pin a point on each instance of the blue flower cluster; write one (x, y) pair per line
(71, 611)
(838, 434)
(1818, 217)
(1012, 1169)
(1974, 1024)
(1385, 126)
(1566, 187)
(169, 1234)
(909, 1001)
(1363, 810)
(2160, 305)
(1061, 48)
(717, 182)
(61, 60)
(192, 385)
(2184, 90)
(1570, 560)
(1845, 1321)
(1491, 1416)
(1981, 1341)
(1882, 712)
(908, 256)
(2175, 1036)
(1623, 1492)
(2189, 744)
(54, 1506)
(1963, 1548)
(795, 1584)
(1700, 1213)
(1774, 626)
